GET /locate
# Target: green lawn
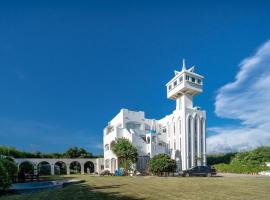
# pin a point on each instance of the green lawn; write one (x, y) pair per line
(134, 188)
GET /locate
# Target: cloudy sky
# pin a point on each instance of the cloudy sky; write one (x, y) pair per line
(66, 68)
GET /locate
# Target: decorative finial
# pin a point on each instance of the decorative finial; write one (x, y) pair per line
(184, 65)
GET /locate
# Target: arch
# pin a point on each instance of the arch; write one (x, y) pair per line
(148, 140)
(202, 126)
(107, 147)
(107, 163)
(44, 168)
(189, 139)
(89, 167)
(26, 167)
(196, 132)
(113, 165)
(60, 168)
(75, 167)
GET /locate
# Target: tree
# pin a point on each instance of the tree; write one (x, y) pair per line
(10, 166)
(76, 152)
(162, 163)
(126, 153)
(5, 181)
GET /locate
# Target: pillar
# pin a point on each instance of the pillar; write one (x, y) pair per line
(82, 168)
(192, 143)
(68, 168)
(52, 169)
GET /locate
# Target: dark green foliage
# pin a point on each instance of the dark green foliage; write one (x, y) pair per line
(126, 153)
(247, 162)
(257, 156)
(74, 152)
(10, 166)
(220, 158)
(240, 168)
(5, 181)
(162, 163)
(26, 167)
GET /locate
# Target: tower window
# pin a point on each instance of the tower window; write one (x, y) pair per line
(199, 81)
(174, 83)
(187, 77)
(181, 79)
(170, 87)
(193, 79)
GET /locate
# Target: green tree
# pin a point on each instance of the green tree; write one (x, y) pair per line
(162, 163)
(76, 152)
(126, 153)
(11, 167)
(5, 181)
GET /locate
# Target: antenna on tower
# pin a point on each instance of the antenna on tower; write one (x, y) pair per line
(184, 65)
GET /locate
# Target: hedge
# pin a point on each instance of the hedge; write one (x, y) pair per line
(240, 168)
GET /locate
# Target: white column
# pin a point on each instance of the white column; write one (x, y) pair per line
(192, 143)
(68, 168)
(52, 169)
(204, 143)
(82, 168)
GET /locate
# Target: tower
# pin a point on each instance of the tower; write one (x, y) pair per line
(188, 121)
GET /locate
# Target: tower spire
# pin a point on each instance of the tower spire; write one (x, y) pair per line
(184, 64)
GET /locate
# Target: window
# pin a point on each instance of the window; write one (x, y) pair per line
(170, 87)
(107, 163)
(199, 81)
(181, 79)
(193, 79)
(106, 147)
(187, 77)
(174, 83)
(133, 125)
(174, 128)
(174, 145)
(164, 130)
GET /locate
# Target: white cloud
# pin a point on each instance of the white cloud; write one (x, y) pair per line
(247, 98)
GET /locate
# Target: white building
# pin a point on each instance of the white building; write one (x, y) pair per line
(180, 134)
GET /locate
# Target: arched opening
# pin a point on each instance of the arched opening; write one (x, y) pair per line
(44, 168)
(89, 167)
(189, 142)
(107, 163)
(196, 142)
(75, 167)
(113, 165)
(26, 169)
(60, 168)
(202, 137)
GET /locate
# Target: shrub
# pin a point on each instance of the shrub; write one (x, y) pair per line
(162, 163)
(5, 181)
(10, 166)
(240, 168)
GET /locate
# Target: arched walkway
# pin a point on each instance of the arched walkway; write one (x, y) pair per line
(89, 167)
(44, 168)
(61, 165)
(60, 168)
(75, 167)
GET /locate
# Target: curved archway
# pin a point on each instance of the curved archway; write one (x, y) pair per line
(26, 167)
(89, 167)
(60, 168)
(189, 163)
(75, 167)
(44, 168)
(196, 136)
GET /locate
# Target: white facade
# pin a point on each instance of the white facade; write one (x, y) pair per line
(180, 134)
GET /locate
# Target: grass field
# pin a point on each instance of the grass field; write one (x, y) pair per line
(135, 188)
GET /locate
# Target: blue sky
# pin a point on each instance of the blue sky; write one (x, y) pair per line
(66, 68)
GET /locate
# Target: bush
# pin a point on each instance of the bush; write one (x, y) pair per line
(220, 158)
(10, 166)
(162, 163)
(240, 168)
(5, 181)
